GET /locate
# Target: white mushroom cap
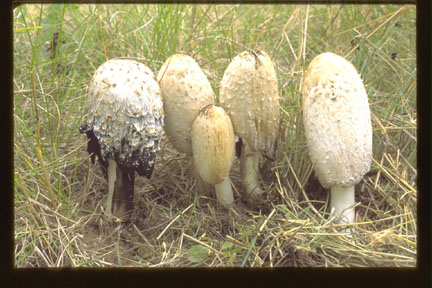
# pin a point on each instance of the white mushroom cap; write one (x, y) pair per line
(185, 91)
(337, 121)
(213, 144)
(249, 93)
(126, 113)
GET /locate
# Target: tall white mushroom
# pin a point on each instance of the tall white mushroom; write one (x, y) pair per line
(124, 126)
(338, 128)
(249, 93)
(185, 91)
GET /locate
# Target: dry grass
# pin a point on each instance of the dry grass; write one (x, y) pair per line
(172, 224)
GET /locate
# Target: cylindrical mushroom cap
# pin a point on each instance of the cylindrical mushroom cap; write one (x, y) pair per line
(126, 113)
(185, 90)
(213, 145)
(337, 121)
(249, 93)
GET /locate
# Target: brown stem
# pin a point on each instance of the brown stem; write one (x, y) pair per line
(123, 193)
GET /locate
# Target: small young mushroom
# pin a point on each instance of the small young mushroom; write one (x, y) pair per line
(185, 91)
(213, 150)
(338, 128)
(124, 127)
(249, 93)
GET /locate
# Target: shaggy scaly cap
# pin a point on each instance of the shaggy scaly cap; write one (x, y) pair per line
(213, 144)
(249, 93)
(126, 113)
(337, 121)
(185, 90)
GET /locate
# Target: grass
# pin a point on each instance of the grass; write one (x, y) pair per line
(59, 195)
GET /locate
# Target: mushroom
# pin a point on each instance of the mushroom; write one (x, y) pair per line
(124, 127)
(213, 150)
(249, 93)
(185, 91)
(338, 128)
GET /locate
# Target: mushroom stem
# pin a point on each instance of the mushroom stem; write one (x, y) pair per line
(112, 176)
(123, 194)
(250, 171)
(120, 190)
(224, 192)
(342, 203)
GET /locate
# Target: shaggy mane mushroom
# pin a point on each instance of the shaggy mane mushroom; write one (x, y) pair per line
(124, 127)
(249, 93)
(213, 150)
(338, 128)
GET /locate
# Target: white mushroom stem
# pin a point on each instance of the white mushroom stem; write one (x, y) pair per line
(112, 176)
(224, 192)
(342, 203)
(250, 171)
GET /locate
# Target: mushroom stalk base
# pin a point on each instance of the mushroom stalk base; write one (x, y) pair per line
(120, 191)
(122, 206)
(112, 176)
(224, 192)
(342, 203)
(250, 172)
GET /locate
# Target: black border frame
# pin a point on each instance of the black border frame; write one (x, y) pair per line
(419, 276)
